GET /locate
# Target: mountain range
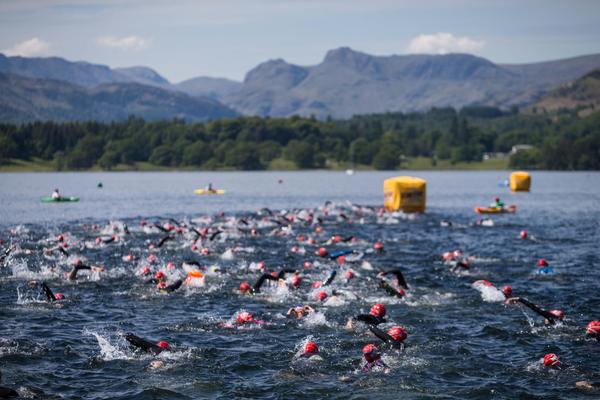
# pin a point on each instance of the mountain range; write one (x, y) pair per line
(345, 83)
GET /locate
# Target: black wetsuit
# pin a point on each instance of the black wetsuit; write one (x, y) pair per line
(330, 278)
(8, 393)
(49, 295)
(143, 344)
(76, 269)
(172, 287)
(268, 277)
(385, 337)
(550, 318)
(370, 319)
(163, 240)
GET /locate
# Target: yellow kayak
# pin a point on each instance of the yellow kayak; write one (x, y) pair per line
(213, 191)
(496, 210)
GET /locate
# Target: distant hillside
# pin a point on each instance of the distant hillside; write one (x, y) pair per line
(78, 73)
(215, 88)
(348, 82)
(583, 94)
(26, 99)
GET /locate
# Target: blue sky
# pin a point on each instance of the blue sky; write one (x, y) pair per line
(226, 38)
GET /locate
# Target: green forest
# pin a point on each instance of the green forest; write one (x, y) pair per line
(387, 141)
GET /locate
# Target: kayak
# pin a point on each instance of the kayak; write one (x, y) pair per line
(204, 191)
(495, 210)
(59, 200)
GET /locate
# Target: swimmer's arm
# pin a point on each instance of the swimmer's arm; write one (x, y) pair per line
(536, 309)
(142, 343)
(174, 286)
(49, 295)
(368, 319)
(261, 280)
(381, 334)
(330, 278)
(282, 273)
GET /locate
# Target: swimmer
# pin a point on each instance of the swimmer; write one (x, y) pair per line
(375, 316)
(158, 277)
(164, 288)
(300, 311)
(106, 240)
(147, 346)
(544, 268)
(43, 287)
(394, 337)
(550, 317)
(78, 266)
(373, 359)
(593, 330)
(311, 351)
(61, 247)
(242, 318)
(551, 360)
(388, 287)
(246, 289)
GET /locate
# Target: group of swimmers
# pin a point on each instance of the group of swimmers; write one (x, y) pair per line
(390, 282)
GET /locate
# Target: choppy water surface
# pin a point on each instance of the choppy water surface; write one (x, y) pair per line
(461, 343)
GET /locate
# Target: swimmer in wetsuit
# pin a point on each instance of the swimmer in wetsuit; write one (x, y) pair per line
(246, 289)
(300, 311)
(78, 266)
(147, 346)
(43, 287)
(374, 317)
(550, 317)
(373, 359)
(394, 337)
(164, 288)
(400, 283)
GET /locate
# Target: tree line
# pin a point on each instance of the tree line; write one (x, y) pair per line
(382, 141)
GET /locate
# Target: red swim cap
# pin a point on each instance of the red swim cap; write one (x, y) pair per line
(159, 275)
(204, 251)
(322, 252)
(341, 260)
(61, 238)
(77, 261)
(485, 283)
(295, 280)
(59, 296)
(349, 274)
(161, 285)
(523, 234)
(336, 239)
(316, 284)
(593, 328)
(398, 334)
(244, 287)
(371, 352)
(378, 245)
(307, 264)
(321, 295)
(542, 263)
(551, 359)
(145, 270)
(378, 310)
(244, 317)
(294, 249)
(401, 292)
(311, 348)
(163, 345)
(558, 314)
(507, 290)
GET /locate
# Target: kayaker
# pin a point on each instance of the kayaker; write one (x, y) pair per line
(209, 188)
(497, 203)
(550, 317)
(56, 195)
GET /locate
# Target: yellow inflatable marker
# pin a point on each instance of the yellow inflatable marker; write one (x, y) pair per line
(520, 181)
(404, 193)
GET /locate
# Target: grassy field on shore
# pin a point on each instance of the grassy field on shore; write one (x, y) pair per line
(279, 164)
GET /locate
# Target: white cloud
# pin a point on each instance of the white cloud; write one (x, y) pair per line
(123, 43)
(28, 48)
(443, 43)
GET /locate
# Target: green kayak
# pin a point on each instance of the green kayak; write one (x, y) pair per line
(59, 200)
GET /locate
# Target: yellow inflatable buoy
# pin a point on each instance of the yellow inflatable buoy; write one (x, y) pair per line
(520, 181)
(404, 193)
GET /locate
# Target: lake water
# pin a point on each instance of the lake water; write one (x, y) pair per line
(459, 345)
